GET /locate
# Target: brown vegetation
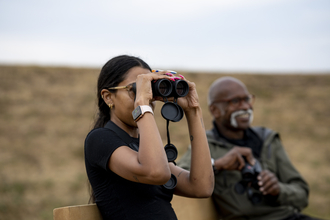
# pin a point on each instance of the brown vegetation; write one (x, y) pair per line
(46, 112)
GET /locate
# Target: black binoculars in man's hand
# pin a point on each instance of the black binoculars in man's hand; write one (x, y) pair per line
(249, 182)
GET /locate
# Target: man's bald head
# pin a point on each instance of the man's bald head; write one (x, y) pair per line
(222, 87)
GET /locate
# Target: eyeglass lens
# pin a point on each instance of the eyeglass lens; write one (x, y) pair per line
(131, 89)
(237, 101)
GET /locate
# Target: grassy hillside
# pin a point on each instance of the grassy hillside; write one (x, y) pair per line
(46, 112)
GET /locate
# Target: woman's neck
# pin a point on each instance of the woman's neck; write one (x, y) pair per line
(130, 130)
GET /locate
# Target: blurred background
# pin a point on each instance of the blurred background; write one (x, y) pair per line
(205, 35)
(51, 53)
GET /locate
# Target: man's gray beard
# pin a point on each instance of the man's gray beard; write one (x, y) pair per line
(233, 121)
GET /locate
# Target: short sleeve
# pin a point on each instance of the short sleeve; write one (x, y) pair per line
(100, 143)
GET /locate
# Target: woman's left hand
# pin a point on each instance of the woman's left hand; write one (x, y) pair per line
(190, 101)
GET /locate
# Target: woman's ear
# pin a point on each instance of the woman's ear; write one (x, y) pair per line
(106, 96)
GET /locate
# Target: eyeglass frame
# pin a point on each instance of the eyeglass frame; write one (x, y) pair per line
(240, 100)
(128, 87)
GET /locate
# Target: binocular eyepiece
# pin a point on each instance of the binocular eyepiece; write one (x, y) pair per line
(166, 88)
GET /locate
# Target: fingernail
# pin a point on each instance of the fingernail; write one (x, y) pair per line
(172, 79)
(260, 183)
(261, 189)
(168, 74)
(169, 71)
(176, 78)
(182, 77)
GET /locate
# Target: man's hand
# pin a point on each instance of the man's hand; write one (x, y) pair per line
(268, 183)
(233, 160)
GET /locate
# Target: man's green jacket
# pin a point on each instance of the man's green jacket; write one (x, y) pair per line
(294, 190)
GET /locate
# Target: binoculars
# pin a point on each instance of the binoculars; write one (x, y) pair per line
(249, 182)
(166, 88)
(250, 173)
(170, 111)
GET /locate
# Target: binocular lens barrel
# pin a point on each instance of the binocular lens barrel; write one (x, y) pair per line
(167, 88)
(161, 87)
(181, 88)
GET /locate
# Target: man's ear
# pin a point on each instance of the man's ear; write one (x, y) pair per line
(107, 95)
(215, 111)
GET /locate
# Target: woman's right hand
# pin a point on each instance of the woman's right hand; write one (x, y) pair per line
(143, 87)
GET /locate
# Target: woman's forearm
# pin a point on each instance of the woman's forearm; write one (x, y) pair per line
(151, 154)
(201, 172)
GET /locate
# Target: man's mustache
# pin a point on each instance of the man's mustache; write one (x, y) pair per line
(240, 112)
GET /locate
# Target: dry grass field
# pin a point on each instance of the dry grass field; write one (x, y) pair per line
(46, 112)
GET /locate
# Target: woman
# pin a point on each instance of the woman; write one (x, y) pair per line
(127, 182)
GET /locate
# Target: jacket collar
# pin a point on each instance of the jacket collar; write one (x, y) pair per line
(214, 137)
(217, 135)
(266, 135)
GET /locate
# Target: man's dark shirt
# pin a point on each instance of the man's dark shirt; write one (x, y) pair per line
(250, 140)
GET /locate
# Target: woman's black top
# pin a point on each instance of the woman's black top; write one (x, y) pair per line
(116, 197)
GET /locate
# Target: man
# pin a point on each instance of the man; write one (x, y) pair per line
(276, 190)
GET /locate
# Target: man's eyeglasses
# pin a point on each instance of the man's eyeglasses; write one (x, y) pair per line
(235, 102)
(131, 89)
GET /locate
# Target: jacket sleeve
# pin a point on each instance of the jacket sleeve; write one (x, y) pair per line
(293, 188)
(185, 160)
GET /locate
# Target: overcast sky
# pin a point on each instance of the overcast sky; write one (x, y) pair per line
(212, 35)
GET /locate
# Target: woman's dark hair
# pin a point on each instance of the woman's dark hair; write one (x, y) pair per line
(112, 73)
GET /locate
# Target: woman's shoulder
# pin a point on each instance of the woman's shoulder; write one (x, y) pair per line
(102, 138)
(99, 133)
